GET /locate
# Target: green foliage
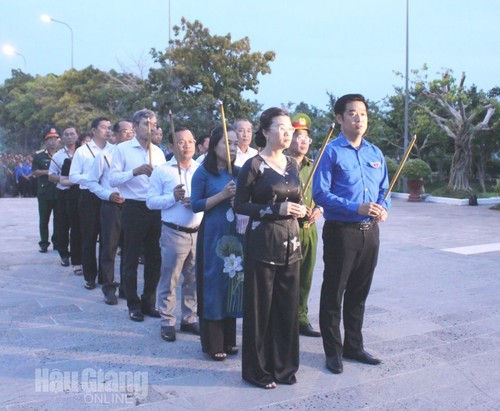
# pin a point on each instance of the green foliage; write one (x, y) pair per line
(75, 97)
(392, 165)
(496, 189)
(200, 69)
(416, 169)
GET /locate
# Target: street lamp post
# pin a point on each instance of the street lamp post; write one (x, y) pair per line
(406, 78)
(10, 51)
(407, 91)
(48, 19)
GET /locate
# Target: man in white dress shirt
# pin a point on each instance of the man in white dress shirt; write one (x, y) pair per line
(170, 192)
(132, 164)
(111, 208)
(69, 241)
(244, 130)
(89, 204)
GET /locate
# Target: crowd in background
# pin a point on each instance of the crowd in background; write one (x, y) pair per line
(16, 179)
(15, 176)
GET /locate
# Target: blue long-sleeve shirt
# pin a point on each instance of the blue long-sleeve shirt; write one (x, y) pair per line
(347, 177)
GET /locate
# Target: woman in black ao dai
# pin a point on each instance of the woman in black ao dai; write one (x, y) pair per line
(269, 192)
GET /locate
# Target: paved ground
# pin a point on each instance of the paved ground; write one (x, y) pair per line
(433, 316)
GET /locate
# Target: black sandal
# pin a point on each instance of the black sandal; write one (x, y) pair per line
(230, 350)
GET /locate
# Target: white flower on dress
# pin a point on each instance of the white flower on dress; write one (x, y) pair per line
(232, 265)
(230, 215)
(294, 242)
(255, 224)
(262, 167)
(265, 211)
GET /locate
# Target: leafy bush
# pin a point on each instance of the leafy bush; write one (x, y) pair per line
(392, 166)
(416, 168)
(496, 188)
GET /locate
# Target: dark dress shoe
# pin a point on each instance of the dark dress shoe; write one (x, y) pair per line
(168, 333)
(43, 248)
(361, 356)
(65, 261)
(136, 315)
(308, 331)
(334, 364)
(150, 311)
(192, 328)
(89, 285)
(110, 299)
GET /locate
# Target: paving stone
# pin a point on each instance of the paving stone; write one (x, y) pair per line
(432, 316)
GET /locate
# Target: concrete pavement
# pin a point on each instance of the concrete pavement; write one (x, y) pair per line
(433, 316)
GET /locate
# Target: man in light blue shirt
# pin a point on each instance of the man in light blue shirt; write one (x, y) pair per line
(350, 182)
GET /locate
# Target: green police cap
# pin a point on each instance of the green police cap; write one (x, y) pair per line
(301, 121)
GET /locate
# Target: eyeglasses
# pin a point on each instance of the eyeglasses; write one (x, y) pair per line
(303, 139)
(283, 129)
(127, 131)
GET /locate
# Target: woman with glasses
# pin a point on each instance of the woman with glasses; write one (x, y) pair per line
(269, 192)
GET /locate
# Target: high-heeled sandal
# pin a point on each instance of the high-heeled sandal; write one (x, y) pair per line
(231, 350)
(218, 356)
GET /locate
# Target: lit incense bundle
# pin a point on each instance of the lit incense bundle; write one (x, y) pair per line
(224, 128)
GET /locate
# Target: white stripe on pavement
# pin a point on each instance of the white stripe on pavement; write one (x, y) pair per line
(474, 249)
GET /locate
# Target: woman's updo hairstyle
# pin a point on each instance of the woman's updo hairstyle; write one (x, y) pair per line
(265, 121)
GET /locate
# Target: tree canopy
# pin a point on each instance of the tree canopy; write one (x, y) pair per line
(458, 126)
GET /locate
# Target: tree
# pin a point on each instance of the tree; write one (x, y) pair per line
(432, 143)
(457, 113)
(199, 69)
(30, 103)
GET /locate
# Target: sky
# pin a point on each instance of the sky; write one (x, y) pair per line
(322, 46)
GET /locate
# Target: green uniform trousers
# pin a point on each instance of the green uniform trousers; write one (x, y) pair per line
(308, 242)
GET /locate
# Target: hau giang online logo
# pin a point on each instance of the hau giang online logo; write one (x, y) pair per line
(116, 385)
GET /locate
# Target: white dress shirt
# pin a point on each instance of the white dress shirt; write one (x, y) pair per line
(241, 157)
(98, 175)
(201, 158)
(127, 156)
(56, 164)
(161, 194)
(82, 161)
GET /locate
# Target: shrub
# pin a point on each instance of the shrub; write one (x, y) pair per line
(392, 166)
(416, 168)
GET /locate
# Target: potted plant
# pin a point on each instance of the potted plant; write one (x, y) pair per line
(415, 171)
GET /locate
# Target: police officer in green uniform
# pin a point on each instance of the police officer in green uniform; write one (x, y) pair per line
(308, 233)
(46, 190)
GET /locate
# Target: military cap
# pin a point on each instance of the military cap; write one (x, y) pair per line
(52, 132)
(301, 121)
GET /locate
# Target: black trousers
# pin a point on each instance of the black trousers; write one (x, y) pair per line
(109, 239)
(89, 208)
(270, 349)
(350, 256)
(218, 334)
(47, 207)
(141, 227)
(68, 225)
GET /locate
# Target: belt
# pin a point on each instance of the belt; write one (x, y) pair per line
(181, 228)
(364, 226)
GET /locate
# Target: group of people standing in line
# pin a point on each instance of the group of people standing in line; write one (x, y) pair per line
(237, 223)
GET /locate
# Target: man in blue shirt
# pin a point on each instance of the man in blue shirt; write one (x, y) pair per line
(349, 183)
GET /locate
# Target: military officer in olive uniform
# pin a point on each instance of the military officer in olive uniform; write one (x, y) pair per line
(308, 233)
(46, 190)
